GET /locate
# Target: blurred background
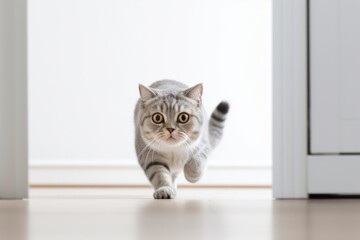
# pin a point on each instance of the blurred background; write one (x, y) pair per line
(86, 59)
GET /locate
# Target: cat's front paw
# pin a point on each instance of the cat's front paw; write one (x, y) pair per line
(165, 193)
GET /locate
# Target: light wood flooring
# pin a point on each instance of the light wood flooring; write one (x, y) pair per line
(199, 214)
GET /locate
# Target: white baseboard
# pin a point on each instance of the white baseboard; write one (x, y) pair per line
(110, 173)
(337, 174)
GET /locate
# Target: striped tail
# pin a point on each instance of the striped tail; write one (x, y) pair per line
(217, 123)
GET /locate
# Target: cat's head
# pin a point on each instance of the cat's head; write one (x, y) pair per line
(171, 119)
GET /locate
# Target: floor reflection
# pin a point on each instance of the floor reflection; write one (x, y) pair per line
(14, 220)
(193, 219)
(316, 219)
(201, 219)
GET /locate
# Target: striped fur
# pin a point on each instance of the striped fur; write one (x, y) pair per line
(172, 133)
(217, 123)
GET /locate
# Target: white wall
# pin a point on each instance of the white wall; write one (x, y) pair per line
(87, 57)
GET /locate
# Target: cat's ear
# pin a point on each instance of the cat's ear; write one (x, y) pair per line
(195, 93)
(146, 93)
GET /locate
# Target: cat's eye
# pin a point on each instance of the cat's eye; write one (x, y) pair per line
(183, 117)
(157, 118)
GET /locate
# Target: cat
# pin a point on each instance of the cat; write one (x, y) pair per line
(172, 133)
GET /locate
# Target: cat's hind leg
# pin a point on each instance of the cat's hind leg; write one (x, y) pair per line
(160, 177)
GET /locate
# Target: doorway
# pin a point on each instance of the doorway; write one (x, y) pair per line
(86, 59)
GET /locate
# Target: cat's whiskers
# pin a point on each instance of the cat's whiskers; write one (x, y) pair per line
(148, 145)
(151, 145)
(156, 146)
(187, 144)
(144, 148)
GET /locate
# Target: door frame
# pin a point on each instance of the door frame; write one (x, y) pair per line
(290, 98)
(290, 77)
(13, 100)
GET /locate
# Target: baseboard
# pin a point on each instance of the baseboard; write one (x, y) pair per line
(109, 173)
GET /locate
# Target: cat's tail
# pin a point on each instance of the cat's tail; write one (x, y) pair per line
(217, 123)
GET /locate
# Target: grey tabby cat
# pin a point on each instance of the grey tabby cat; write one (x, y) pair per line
(173, 134)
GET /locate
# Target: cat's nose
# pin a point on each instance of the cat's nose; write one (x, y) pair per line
(170, 129)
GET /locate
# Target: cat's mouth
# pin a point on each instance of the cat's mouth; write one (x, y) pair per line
(171, 138)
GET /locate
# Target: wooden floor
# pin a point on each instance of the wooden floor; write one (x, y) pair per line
(201, 214)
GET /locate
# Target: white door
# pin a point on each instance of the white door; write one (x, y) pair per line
(334, 164)
(13, 100)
